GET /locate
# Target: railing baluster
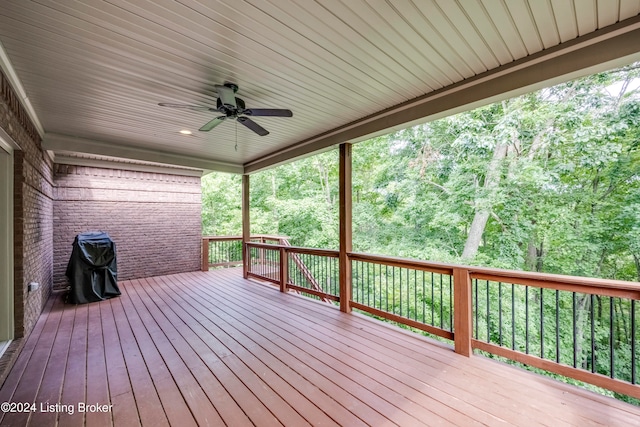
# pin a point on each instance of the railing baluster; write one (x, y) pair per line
(393, 287)
(433, 315)
(415, 294)
(513, 317)
(526, 319)
(441, 302)
(476, 311)
(500, 312)
(400, 289)
(369, 288)
(450, 304)
(284, 269)
(541, 323)
(633, 341)
(557, 326)
(593, 334)
(424, 309)
(575, 330)
(611, 337)
(488, 314)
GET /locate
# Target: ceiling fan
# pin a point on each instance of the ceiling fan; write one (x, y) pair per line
(233, 108)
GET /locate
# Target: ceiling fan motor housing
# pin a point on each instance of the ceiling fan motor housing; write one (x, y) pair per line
(229, 111)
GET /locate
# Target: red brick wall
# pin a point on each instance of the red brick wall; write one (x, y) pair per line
(33, 212)
(154, 218)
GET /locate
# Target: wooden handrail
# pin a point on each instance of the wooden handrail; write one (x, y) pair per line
(253, 236)
(297, 249)
(433, 267)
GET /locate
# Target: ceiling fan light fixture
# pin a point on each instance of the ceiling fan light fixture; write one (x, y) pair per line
(186, 132)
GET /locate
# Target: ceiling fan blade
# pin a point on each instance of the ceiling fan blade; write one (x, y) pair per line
(213, 123)
(227, 96)
(187, 107)
(253, 126)
(274, 112)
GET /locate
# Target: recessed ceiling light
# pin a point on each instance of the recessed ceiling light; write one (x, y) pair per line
(185, 132)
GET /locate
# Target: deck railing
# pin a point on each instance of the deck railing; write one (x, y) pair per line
(226, 251)
(577, 327)
(414, 293)
(313, 272)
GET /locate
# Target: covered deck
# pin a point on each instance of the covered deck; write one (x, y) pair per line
(211, 348)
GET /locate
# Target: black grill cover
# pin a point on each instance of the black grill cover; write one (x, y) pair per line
(92, 268)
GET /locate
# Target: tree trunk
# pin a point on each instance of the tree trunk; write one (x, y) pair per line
(532, 255)
(491, 182)
(534, 259)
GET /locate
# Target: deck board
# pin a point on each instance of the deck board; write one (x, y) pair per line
(73, 387)
(214, 349)
(381, 398)
(30, 381)
(172, 404)
(355, 366)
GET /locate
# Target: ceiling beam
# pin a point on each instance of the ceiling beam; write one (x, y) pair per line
(125, 164)
(57, 142)
(604, 49)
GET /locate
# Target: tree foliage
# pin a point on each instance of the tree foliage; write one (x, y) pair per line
(547, 182)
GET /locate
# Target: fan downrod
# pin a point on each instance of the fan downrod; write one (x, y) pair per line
(231, 86)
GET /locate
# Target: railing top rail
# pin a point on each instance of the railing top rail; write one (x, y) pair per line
(253, 236)
(590, 285)
(435, 267)
(313, 251)
(269, 237)
(221, 237)
(297, 249)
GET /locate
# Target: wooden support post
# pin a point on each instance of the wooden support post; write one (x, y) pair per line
(346, 242)
(284, 269)
(205, 254)
(246, 226)
(462, 312)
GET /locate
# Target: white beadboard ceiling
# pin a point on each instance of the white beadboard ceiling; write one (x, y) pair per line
(94, 71)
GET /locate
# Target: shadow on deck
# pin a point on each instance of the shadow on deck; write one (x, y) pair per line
(210, 348)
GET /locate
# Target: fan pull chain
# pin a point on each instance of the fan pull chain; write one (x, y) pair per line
(236, 136)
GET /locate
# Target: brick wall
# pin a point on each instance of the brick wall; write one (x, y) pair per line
(154, 218)
(33, 212)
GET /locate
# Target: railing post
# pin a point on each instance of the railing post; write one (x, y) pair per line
(205, 254)
(284, 269)
(462, 311)
(246, 226)
(346, 242)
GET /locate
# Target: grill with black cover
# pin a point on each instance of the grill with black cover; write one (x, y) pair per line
(92, 269)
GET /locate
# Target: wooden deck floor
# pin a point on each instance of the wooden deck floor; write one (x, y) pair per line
(214, 349)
